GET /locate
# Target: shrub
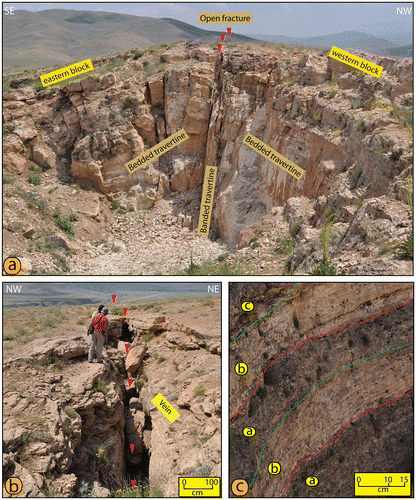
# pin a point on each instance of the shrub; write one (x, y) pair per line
(147, 337)
(160, 359)
(296, 227)
(199, 390)
(208, 302)
(35, 179)
(70, 412)
(356, 104)
(316, 117)
(117, 311)
(139, 384)
(46, 165)
(183, 347)
(252, 408)
(114, 205)
(127, 103)
(284, 245)
(138, 54)
(100, 387)
(332, 94)
(7, 179)
(405, 248)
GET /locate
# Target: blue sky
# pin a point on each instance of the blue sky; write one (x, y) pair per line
(290, 19)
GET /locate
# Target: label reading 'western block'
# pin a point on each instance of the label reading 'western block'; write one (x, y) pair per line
(272, 155)
(225, 18)
(67, 72)
(165, 407)
(207, 200)
(356, 62)
(156, 151)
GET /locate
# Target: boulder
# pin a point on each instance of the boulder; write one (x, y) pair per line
(108, 80)
(145, 125)
(62, 241)
(134, 358)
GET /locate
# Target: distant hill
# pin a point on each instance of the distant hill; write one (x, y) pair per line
(196, 32)
(388, 45)
(58, 36)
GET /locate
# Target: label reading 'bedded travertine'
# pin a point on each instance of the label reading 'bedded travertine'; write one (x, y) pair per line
(207, 200)
(156, 151)
(272, 155)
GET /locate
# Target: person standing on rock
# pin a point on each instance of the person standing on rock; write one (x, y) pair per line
(99, 335)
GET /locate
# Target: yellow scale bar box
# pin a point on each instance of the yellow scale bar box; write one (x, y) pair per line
(356, 62)
(382, 484)
(165, 407)
(208, 487)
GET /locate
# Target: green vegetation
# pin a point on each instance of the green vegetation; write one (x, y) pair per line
(252, 408)
(127, 103)
(147, 337)
(325, 267)
(117, 311)
(70, 412)
(211, 268)
(7, 179)
(199, 390)
(35, 179)
(100, 387)
(316, 118)
(405, 248)
(138, 54)
(160, 359)
(356, 104)
(284, 245)
(64, 222)
(296, 227)
(183, 347)
(332, 94)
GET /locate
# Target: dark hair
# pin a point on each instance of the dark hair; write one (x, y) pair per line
(100, 308)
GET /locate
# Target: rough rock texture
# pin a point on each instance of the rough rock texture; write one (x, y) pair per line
(349, 132)
(379, 440)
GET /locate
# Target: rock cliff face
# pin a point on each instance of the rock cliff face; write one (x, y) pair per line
(69, 426)
(381, 440)
(350, 132)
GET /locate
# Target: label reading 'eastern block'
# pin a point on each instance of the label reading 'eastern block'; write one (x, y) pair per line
(156, 151)
(272, 155)
(225, 18)
(67, 72)
(356, 62)
(207, 200)
(165, 407)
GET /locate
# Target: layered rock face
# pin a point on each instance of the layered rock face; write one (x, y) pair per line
(72, 428)
(349, 131)
(380, 440)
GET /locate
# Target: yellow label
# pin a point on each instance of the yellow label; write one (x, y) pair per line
(200, 487)
(249, 431)
(373, 484)
(356, 62)
(312, 481)
(67, 72)
(272, 155)
(156, 151)
(273, 468)
(225, 18)
(241, 368)
(207, 200)
(165, 407)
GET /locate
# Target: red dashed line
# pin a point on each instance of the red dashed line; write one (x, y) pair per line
(309, 338)
(355, 418)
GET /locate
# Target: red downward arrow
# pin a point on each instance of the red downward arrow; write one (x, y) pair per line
(132, 447)
(229, 31)
(114, 298)
(130, 381)
(133, 483)
(125, 311)
(219, 48)
(222, 37)
(127, 346)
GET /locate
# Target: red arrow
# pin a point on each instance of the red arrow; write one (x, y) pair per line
(125, 311)
(222, 37)
(229, 31)
(132, 447)
(219, 48)
(127, 346)
(114, 298)
(133, 483)
(130, 381)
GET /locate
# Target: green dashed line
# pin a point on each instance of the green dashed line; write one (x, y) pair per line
(309, 393)
(265, 316)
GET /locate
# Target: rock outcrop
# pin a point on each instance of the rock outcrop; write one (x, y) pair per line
(378, 440)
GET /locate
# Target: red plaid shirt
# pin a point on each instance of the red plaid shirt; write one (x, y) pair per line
(100, 322)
